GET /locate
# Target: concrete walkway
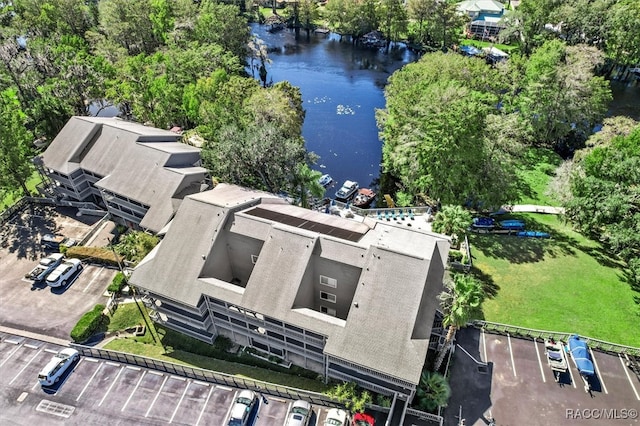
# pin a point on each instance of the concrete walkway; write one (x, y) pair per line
(35, 336)
(530, 208)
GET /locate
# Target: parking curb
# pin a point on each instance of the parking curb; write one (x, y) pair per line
(36, 336)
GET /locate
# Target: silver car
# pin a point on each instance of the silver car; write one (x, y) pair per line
(299, 414)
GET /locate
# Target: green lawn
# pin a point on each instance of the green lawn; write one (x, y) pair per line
(9, 198)
(127, 315)
(567, 283)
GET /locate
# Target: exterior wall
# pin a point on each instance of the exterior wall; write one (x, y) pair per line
(246, 328)
(346, 282)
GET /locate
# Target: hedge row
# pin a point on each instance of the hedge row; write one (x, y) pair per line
(100, 255)
(117, 283)
(88, 324)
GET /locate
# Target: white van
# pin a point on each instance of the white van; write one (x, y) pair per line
(55, 368)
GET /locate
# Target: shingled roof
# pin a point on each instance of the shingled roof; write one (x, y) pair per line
(388, 324)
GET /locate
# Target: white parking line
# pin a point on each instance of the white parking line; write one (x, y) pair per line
(179, 402)
(624, 367)
(196, 382)
(111, 387)
(133, 391)
(513, 365)
(51, 351)
(182, 379)
(595, 364)
(224, 388)
(91, 359)
(573, 382)
(156, 373)
(156, 397)
(535, 345)
(131, 367)
(25, 366)
(206, 401)
(288, 409)
(226, 416)
(90, 380)
(10, 355)
(115, 364)
(484, 347)
(95, 276)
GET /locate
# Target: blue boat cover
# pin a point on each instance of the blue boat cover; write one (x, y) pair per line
(512, 224)
(580, 354)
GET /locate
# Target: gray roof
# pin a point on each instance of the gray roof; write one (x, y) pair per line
(143, 163)
(402, 271)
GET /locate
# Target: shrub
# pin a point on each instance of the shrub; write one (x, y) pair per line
(100, 255)
(88, 324)
(455, 256)
(117, 283)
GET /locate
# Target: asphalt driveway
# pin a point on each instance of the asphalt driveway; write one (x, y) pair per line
(36, 307)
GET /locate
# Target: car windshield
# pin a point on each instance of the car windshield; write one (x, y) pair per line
(235, 422)
(362, 423)
(243, 400)
(333, 422)
(300, 410)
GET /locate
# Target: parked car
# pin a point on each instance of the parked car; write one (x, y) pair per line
(55, 368)
(242, 408)
(299, 414)
(64, 273)
(46, 265)
(54, 242)
(336, 417)
(363, 419)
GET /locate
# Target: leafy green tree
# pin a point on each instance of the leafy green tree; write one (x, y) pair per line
(135, 245)
(128, 24)
(453, 221)
(392, 18)
(561, 97)
(433, 391)
(606, 196)
(15, 140)
(309, 14)
(435, 131)
(623, 38)
(348, 393)
(306, 182)
(223, 25)
(52, 18)
(446, 25)
(460, 302)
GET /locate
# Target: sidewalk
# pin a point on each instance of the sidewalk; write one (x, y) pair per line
(36, 336)
(530, 208)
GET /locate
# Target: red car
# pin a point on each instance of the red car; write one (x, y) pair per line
(362, 419)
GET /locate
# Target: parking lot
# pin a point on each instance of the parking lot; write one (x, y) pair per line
(104, 392)
(517, 387)
(34, 306)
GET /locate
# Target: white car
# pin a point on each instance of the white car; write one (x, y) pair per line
(52, 372)
(336, 417)
(63, 274)
(242, 407)
(299, 414)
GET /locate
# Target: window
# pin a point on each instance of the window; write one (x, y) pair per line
(327, 311)
(328, 297)
(254, 258)
(329, 282)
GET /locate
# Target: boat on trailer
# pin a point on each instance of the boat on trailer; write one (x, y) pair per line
(556, 357)
(580, 355)
(347, 191)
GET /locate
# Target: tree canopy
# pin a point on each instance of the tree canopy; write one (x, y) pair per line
(437, 135)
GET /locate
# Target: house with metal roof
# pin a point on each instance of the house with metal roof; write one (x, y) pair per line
(353, 300)
(485, 16)
(137, 173)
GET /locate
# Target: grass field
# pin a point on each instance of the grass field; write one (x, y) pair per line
(10, 198)
(566, 283)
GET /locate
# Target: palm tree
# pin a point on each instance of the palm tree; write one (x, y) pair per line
(453, 221)
(305, 181)
(433, 391)
(460, 300)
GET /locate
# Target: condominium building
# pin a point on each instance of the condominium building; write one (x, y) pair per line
(138, 173)
(352, 300)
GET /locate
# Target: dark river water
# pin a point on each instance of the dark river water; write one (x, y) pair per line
(342, 86)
